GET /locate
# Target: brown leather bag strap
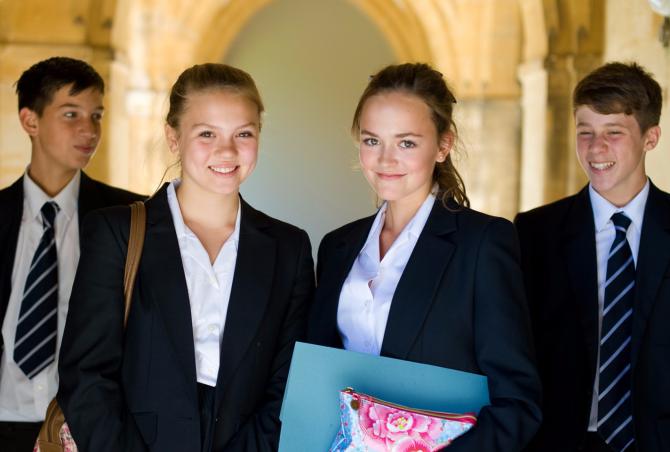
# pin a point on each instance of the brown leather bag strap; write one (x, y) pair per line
(138, 225)
(49, 436)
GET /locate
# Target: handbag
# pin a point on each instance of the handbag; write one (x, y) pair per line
(55, 435)
(373, 425)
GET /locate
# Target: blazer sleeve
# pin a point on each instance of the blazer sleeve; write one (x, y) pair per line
(503, 348)
(261, 432)
(529, 264)
(89, 367)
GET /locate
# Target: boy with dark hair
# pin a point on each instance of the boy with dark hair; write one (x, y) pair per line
(60, 108)
(597, 273)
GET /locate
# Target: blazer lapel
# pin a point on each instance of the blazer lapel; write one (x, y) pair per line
(11, 210)
(580, 258)
(250, 293)
(419, 282)
(340, 261)
(162, 274)
(652, 262)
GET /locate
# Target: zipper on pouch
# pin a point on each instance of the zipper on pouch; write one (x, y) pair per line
(355, 404)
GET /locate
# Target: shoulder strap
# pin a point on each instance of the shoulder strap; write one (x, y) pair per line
(138, 225)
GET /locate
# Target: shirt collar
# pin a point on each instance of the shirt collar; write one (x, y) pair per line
(371, 247)
(603, 209)
(180, 227)
(418, 221)
(411, 231)
(66, 198)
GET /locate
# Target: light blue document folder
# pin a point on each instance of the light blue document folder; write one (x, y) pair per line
(310, 413)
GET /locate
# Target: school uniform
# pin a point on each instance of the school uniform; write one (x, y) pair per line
(184, 372)
(25, 391)
(565, 248)
(450, 294)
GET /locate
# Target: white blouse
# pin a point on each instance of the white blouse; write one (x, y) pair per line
(208, 289)
(365, 299)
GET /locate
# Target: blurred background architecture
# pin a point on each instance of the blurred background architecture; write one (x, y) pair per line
(512, 63)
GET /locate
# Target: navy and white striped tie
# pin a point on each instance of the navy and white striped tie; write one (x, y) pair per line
(36, 329)
(615, 414)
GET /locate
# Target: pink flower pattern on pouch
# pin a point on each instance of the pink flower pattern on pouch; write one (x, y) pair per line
(372, 425)
(384, 426)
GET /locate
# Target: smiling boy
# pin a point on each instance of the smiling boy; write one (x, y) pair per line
(596, 267)
(60, 108)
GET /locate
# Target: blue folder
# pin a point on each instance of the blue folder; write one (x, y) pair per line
(310, 413)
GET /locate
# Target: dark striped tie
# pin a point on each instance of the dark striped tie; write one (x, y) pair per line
(615, 414)
(36, 329)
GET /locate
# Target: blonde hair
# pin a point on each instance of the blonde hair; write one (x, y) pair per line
(208, 76)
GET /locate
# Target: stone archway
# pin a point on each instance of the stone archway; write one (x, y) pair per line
(476, 45)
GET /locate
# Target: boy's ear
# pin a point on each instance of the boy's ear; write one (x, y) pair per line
(29, 121)
(651, 137)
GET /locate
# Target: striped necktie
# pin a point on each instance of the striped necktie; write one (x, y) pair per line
(615, 414)
(36, 329)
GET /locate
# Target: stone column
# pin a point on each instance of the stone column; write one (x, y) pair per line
(560, 144)
(533, 78)
(488, 158)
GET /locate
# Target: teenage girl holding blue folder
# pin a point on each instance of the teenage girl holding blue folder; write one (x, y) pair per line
(426, 278)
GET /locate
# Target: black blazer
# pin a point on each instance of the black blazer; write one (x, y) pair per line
(560, 268)
(459, 304)
(138, 391)
(92, 195)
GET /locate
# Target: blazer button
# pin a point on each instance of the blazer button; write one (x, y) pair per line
(216, 419)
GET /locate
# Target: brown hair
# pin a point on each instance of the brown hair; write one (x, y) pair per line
(38, 84)
(422, 81)
(209, 76)
(621, 88)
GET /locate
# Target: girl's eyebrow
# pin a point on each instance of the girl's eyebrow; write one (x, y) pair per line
(398, 135)
(409, 134)
(204, 124)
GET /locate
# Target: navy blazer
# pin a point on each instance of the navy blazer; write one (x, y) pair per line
(138, 391)
(459, 304)
(92, 195)
(560, 269)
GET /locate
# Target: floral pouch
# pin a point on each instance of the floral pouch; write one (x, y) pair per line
(368, 424)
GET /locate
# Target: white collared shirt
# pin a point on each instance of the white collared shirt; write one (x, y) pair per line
(605, 234)
(209, 289)
(365, 299)
(23, 399)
